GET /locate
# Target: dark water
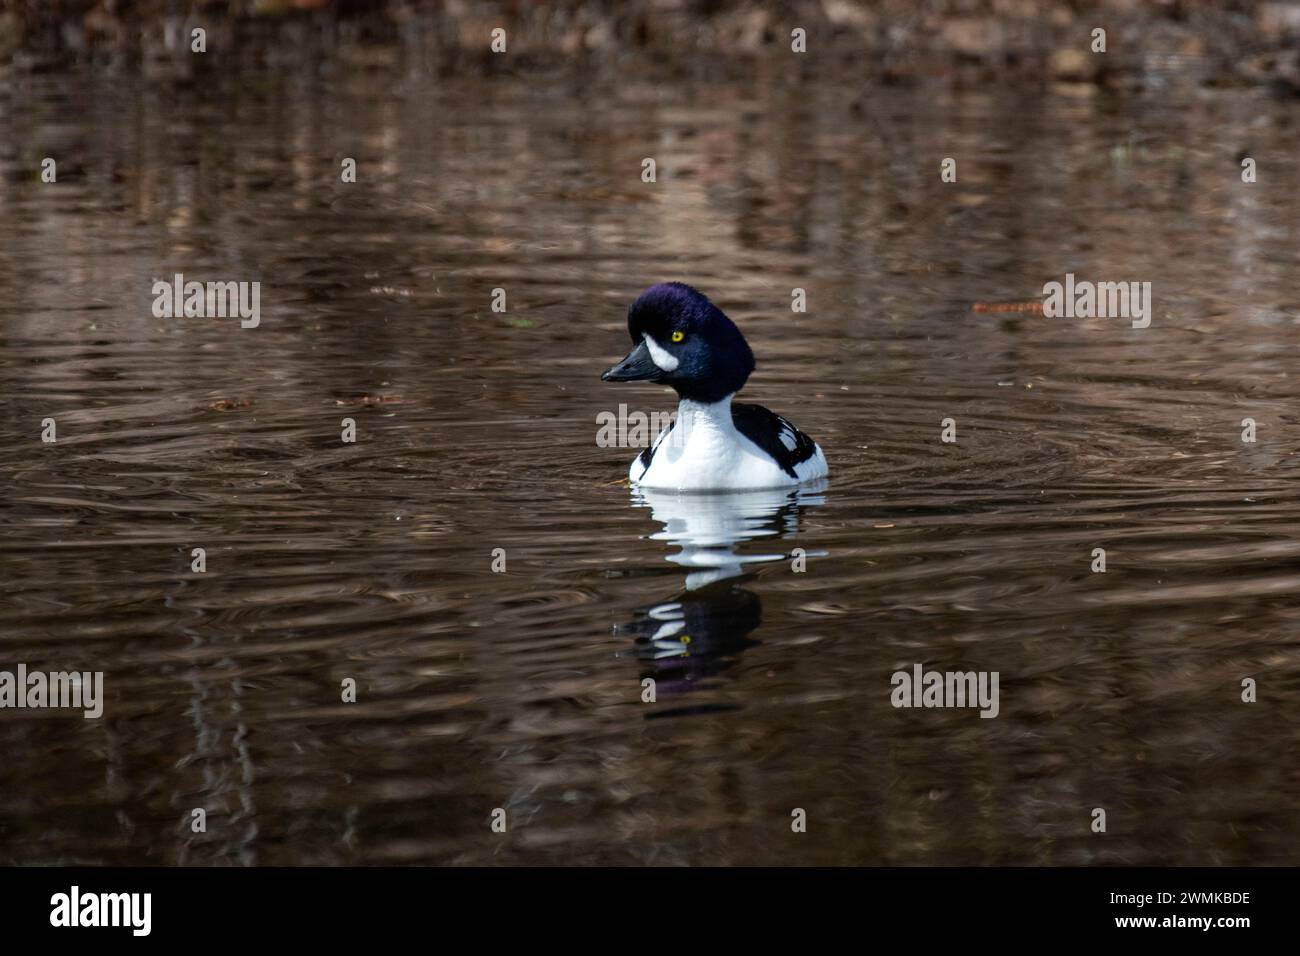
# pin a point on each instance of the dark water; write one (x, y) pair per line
(477, 431)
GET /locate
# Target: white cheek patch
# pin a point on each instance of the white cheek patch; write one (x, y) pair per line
(661, 356)
(668, 630)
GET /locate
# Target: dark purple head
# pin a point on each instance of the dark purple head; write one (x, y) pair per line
(683, 340)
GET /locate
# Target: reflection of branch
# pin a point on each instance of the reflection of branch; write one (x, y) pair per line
(1034, 307)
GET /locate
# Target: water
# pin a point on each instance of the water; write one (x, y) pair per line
(477, 431)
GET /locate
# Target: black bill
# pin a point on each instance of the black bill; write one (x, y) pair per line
(637, 367)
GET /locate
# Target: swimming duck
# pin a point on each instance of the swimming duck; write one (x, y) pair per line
(682, 339)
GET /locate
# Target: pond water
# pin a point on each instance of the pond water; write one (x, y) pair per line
(476, 430)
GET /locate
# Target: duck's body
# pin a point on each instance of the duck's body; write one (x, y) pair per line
(683, 340)
(726, 446)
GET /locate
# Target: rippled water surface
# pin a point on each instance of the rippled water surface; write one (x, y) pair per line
(477, 431)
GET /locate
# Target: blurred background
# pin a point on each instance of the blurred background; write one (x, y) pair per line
(477, 431)
(1219, 43)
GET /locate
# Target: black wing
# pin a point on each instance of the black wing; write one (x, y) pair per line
(648, 453)
(769, 431)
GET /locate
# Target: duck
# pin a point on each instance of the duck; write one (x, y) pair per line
(683, 340)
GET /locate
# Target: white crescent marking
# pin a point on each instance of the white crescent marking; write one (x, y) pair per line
(666, 361)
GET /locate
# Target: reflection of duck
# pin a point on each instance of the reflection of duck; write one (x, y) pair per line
(707, 528)
(699, 632)
(695, 636)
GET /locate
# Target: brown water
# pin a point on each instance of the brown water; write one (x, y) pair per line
(477, 430)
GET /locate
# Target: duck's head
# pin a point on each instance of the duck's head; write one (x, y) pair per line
(682, 339)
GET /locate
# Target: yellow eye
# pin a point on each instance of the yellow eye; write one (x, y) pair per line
(678, 336)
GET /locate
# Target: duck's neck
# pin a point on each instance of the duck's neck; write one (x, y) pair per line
(706, 417)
